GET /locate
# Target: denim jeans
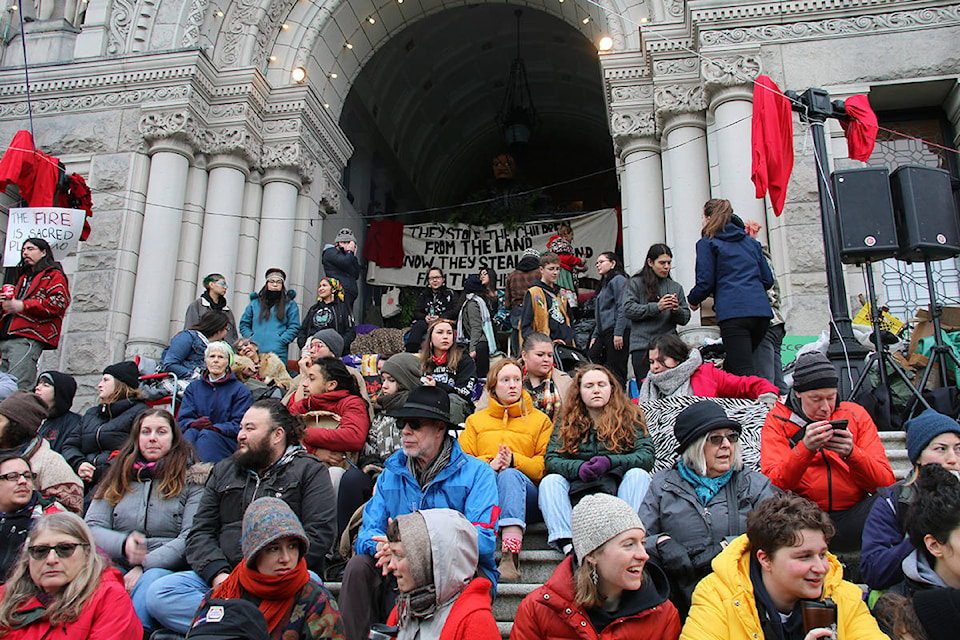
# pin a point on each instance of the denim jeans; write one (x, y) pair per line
(555, 500)
(139, 595)
(172, 600)
(518, 499)
(211, 446)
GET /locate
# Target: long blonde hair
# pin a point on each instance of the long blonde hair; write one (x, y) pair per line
(68, 603)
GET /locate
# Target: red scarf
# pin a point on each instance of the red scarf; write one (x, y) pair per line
(441, 359)
(275, 592)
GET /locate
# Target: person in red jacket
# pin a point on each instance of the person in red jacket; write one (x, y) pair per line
(33, 316)
(338, 420)
(678, 370)
(606, 590)
(838, 465)
(434, 558)
(63, 589)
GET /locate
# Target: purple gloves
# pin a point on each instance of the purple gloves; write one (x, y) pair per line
(594, 468)
(201, 423)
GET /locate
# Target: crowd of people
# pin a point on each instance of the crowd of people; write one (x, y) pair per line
(228, 516)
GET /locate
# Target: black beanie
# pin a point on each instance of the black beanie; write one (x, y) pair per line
(814, 371)
(64, 391)
(698, 419)
(126, 372)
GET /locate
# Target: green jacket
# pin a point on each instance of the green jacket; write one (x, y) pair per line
(642, 456)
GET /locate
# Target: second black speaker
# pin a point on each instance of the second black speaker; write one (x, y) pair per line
(926, 213)
(868, 231)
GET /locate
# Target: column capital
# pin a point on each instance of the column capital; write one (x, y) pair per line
(721, 95)
(676, 99)
(171, 145)
(287, 174)
(229, 160)
(177, 129)
(629, 123)
(638, 144)
(683, 119)
(232, 140)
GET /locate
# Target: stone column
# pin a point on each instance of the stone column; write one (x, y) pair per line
(223, 216)
(685, 157)
(732, 127)
(278, 215)
(246, 278)
(191, 231)
(160, 239)
(642, 192)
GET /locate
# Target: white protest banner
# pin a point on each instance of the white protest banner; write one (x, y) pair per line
(460, 249)
(61, 228)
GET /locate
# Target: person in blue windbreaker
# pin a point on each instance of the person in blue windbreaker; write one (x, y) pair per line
(272, 319)
(732, 269)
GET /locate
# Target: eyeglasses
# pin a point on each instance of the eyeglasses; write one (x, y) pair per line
(435, 278)
(63, 550)
(14, 476)
(274, 280)
(718, 438)
(222, 283)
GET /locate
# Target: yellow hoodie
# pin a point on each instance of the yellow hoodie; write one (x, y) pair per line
(519, 426)
(724, 608)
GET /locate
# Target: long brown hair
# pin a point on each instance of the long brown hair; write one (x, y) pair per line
(173, 471)
(454, 353)
(718, 213)
(618, 422)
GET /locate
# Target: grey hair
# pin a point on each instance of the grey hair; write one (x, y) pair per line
(695, 458)
(220, 346)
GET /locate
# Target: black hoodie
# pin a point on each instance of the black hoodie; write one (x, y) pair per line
(61, 421)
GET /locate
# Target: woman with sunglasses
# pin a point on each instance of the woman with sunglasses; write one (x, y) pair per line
(694, 508)
(62, 589)
(20, 506)
(272, 318)
(144, 508)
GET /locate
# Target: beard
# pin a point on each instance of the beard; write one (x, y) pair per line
(256, 457)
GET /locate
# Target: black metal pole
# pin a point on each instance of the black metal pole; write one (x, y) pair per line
(845, 352)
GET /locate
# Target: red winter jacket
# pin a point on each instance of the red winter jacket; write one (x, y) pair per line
(471, 617)
(108, 615)
(354, 421)
(834, 483)
(549, 613)
(44, 304)
(709, 382)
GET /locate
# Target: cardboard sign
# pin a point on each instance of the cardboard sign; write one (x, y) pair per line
(460, 249)
(61, 228)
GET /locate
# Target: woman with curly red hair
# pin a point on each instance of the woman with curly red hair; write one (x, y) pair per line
(600, 444)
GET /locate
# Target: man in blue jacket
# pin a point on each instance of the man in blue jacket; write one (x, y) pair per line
(431, 471)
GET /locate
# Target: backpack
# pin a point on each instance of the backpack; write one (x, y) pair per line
(234, 619)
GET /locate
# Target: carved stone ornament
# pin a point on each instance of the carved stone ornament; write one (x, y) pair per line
(288, 155)
(730, 71)
(674, 66)
(672, 99)
(170, 124)
(835, 27)
(231, 140)
(674, 8)
(632, 93)
(633, 123)
(193, 24)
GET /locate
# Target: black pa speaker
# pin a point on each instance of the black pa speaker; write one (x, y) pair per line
(926, 214)
(868, 230)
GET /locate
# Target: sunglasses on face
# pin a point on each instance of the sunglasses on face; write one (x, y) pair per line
(14, 476)
(718, 438)
(416, 425)
(63, 550)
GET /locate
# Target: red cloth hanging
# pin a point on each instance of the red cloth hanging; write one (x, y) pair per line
(384, 243)
(861, 129)
(34, 172)
(772, 142)
(78, 197)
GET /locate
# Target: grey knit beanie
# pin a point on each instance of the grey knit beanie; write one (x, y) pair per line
(598, 518)
(404, 368)
(267, 520)
(814, 371)
(345, 235)
(332, 339)
(416, 543)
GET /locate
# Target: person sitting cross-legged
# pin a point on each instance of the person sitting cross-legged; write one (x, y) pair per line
(269, 461)
(430, 471)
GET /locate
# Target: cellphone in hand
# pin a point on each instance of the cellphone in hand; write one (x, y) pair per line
(839, 424)
(818, 614)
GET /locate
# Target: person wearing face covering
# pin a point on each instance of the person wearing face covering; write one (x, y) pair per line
(434, 558)
(56, 390)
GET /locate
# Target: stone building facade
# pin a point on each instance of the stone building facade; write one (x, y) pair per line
(204, 154)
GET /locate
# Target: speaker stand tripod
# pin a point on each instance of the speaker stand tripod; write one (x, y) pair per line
(881, 357)
(940, 353)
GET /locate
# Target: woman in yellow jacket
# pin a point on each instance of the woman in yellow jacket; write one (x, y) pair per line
(763, 580)
(512, 436)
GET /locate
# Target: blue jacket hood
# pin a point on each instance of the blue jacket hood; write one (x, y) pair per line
(732, 233)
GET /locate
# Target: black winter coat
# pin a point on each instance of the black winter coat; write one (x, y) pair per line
(103, 429)
(335, 315)
(298, 478)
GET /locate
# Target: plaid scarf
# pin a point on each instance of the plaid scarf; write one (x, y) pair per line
(425, 477)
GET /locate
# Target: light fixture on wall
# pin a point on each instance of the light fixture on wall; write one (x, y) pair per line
(517, 117)
(298, 75)
(605, 44)
(371, 19)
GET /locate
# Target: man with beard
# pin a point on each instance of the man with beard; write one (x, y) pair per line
(269, 461)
